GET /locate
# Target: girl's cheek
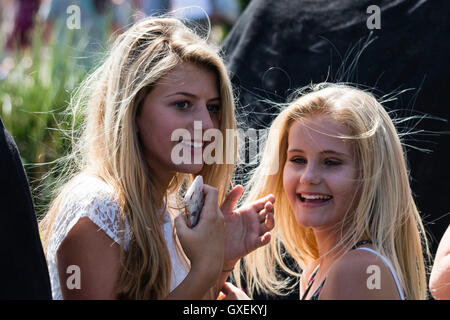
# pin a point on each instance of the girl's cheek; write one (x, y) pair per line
(289, 182)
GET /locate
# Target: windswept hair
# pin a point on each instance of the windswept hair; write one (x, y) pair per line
(384, 208)
(106, 106)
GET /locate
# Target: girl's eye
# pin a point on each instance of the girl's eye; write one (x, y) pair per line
(182, 105)
(213, 108)
(332, 162)
(299, 160)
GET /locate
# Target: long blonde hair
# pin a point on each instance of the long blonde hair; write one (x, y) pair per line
(384, 212)
(108, 146)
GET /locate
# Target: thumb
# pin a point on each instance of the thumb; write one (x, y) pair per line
(231, 199)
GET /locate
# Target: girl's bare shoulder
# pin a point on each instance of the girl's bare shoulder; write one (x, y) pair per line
(360, 274)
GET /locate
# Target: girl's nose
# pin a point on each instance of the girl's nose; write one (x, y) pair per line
(310, 175)
(206, 119)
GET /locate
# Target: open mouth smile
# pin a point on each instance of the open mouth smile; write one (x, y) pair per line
(313, 200)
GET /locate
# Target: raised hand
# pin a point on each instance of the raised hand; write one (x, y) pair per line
(246, 228)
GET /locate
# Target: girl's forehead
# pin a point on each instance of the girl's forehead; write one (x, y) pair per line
(189, 78)
(184, 73)
(319, 132)
(320, 124)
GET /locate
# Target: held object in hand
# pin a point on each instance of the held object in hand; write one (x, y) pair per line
(194, 200)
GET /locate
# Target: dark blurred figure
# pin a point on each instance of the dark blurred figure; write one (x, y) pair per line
(279, 46)
(23, 24)
(23, 268)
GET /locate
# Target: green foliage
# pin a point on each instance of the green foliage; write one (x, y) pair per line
(33, 99)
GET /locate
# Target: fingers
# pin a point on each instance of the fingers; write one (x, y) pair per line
(226, 289)
(260, 241)
(233, 293)
(268, 208)
(210, 212)
(266, 218)
(230, 291)
(227, 292)
(232, 199)
(210, 207)
(211, 195)
(259, 204)
(269, 222)
(265, 239)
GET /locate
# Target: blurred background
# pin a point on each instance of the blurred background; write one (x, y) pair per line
(45, 52)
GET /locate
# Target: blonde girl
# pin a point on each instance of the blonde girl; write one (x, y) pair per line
(110, 233)
(344, 211)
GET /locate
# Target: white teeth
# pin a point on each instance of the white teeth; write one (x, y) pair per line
(192, 144)
(315, 196)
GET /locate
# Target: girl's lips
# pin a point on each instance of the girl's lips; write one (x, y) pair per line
(193, 146)
(309, 203)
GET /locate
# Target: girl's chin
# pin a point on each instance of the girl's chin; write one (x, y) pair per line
(190, 168)
(309, 222)
(319, 225)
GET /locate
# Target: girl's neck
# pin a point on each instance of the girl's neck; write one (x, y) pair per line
(329, 245)
(326, 241)
(162, 176)
(164, 179)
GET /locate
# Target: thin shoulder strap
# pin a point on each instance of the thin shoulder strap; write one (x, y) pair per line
(386, 261)
(310, 282)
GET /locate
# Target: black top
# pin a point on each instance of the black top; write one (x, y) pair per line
(23, 268)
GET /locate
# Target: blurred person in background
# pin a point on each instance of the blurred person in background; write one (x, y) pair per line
(440, 275)
(23, 270)
(24, 12)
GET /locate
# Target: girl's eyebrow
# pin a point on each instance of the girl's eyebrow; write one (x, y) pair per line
(322, 152)
(191, 95)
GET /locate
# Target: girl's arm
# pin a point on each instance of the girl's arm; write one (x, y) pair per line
(90, 258)
(97, 257)
(440, 275)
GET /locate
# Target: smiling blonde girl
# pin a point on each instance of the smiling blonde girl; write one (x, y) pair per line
(114, 220)
(345, 211)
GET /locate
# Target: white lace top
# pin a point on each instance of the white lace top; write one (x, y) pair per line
(92, 198)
